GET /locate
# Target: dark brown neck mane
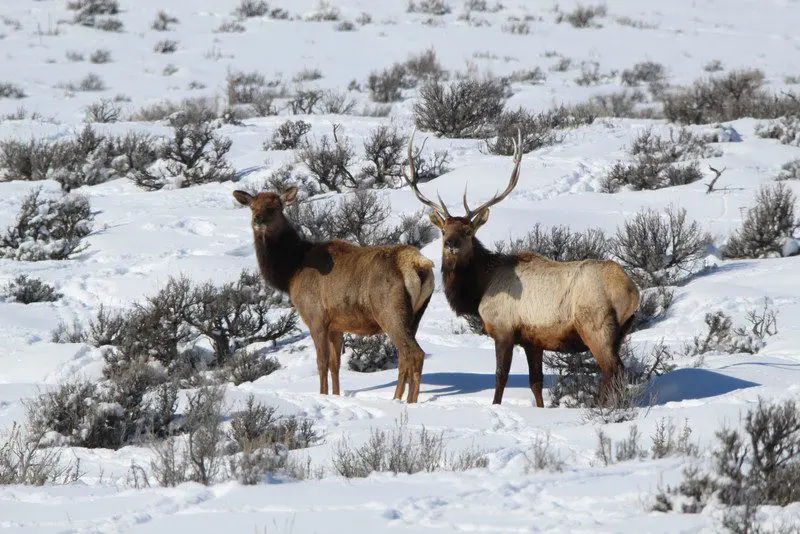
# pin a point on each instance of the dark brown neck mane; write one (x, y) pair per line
(465, 285)
(281, 256)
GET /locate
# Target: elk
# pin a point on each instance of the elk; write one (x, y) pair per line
(527, 299)
(339, 287)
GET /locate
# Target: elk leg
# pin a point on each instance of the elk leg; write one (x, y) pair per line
(604, 345)
(321, 343)
(335, 358)
(535, 374)
(400, 327)
(504, 350)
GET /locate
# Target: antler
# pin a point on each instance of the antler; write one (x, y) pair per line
(512, 183)
(440, 208)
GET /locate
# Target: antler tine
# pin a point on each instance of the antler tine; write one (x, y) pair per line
(512, 183)
(441, 209)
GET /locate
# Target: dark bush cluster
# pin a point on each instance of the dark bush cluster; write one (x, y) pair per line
(735, 95)
(288, 136)
(27, 290)
(789, 171)
(194, 155)
(360, 217)
(9, 90)
(537, 129)
(660, 250)
(583, 16)
(370, 354)
(667, 440)
(755, 466)
(163, 21)
(723, 336)
(96, 14)
(560, 243)
(88, 159)
(387, 85)
(660, 162)
(786, 129)
(766, 225)
(48, 229)
(153, 349)
(466, 108)
(648, 72)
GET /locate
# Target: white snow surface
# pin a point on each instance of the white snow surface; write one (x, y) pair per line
(142, 238)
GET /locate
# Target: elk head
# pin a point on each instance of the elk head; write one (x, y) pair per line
(267, 210)
(458, 232)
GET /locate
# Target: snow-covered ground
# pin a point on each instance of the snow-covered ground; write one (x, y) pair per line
(143, 238)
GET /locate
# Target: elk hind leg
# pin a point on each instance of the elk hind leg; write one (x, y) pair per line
(322, 345)
(604, 343)
(401, 326)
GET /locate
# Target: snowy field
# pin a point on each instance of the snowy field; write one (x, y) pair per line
(142, 238)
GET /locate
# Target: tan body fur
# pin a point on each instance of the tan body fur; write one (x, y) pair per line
(340, 287)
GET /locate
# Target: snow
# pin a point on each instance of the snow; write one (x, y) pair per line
(142, 238)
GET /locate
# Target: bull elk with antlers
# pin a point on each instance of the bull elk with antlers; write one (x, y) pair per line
(339, 287)
(527, 299)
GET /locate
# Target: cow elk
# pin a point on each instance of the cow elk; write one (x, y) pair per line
(529, 300)
(339, 287)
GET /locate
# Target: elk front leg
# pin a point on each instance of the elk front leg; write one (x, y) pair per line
(504, 350)
(335, 358)
(322, 344)
(535, 373)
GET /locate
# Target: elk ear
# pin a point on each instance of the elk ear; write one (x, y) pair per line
(480, 219)
(288, 197)
(437, 220)
(243, 197)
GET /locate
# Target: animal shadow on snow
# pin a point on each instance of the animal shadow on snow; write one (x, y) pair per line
(445, 384)
(691, 383)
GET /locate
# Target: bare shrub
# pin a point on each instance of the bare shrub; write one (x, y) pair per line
(91, 13)
(48, 229)
(534, 76)
(399, 450)
(516, 26)
(26, 458)
(103, 111)
(668, 440)
(251, 8)
(258, 425)
(766, 224)
(628, 449)
(73, 56)
(430, 166)
(165, 46)
(465, 108)
(383, 150)
(424, 66)
(753, 467)
(658, 249)
(345, 26)
(324, 12)
(163, 21)
(27, 290)
(789, 171)
(248, 366)
(245, 87)
(653, 305)
(416, 230)
(89, 83)
(621, 402)
(9, 90)
(429, 7)
(738, 94)
(786, 130)
(722, 336)
(368, 354)
(537, 129)
(336, 103)
(625, 104)
(328, 161)
(230, 26)
(288, 136)
(649, 72)
(387, 85)
(656, 162)
(715, 65)
(591, 75)
(560, 243)
(304, 101)
(204, 434)
(541, 457)
(100, 56)
(194, 155)
(238, 314)
(583, 16)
